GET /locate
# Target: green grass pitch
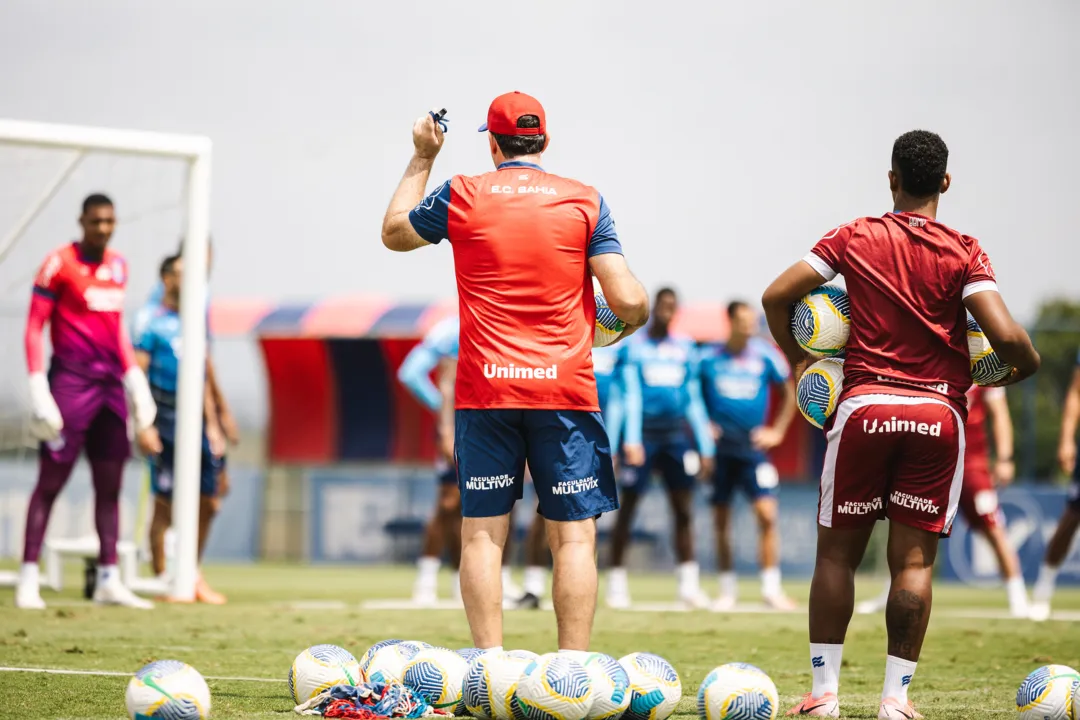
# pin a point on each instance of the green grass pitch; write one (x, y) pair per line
(970, 666)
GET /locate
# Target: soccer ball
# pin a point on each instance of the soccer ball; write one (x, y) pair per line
(387, 663)
(1076, 700)
(168, 689)
(821, 321)
(610, 684)
(608, 327)
(365, 659)
(437, 674)
(655, 688)
(470, 654)
(319, 668)
(737, 691)
(819, 389)
(554, 687)
(986, 366)
(488, 689)
(1047, 694)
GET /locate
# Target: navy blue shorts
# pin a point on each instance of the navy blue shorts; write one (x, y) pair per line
(568, 455)
(445, 473)
(161, 470)
(753, 474)
(676, 459)
(1074, 490)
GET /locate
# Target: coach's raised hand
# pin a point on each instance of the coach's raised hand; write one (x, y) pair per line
(427, 137)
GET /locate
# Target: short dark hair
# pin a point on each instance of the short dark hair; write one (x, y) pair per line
(95, 200)
(920, 158)
(169, 264)
(513, 146)
(667, 291)
(735, 306)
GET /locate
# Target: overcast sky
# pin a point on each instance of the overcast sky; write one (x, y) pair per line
(726, 137)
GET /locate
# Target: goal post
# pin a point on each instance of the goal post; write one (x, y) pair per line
(195, 150)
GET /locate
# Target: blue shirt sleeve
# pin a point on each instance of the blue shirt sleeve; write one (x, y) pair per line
(415, 375)
(604, 239)
(695, 411)
(144, 339)
(779, 371)
(429, 218)
(633, 404)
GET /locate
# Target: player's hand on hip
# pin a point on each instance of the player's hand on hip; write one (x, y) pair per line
(1004, 471)
(1067, 455)
(766, 438)
(149, 441)
(427, 137)
(46, 422)
(634, 455)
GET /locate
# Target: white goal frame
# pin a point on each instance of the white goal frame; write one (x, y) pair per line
(196, 151)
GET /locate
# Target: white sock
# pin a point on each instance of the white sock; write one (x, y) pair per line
(1044, 586)
(507, 579)
(494, 648)
(898, 674)
(825, 662)
(689, 576)
(1017, 593)
(770, 582)
(535, 580)
(105, 573)
(618, 581)
(428, 571)
(455, 585)
(29, 575)
(729, 584)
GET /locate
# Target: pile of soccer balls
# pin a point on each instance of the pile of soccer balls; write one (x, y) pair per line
(821, 324)
(521, 685)
(1050, 693)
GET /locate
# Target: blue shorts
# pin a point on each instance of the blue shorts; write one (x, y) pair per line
(753, 474)
(1073, 502)
(568, 455)
(445, 473)
(676, 459)
(161, 470)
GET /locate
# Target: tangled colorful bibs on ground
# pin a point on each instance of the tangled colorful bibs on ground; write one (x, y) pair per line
(367, 701)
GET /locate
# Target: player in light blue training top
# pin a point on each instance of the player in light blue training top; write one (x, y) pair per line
(738, 378)
(665, 429)
(609, 390)
(158, 351)
(438, 353)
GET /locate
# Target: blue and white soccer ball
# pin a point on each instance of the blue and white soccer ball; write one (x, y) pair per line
(469, 654)
(819, 390)
(365, 659)
(737, 691)
(986, 367)
(655, 688)
(387, 663)
(1076, 700)
(554, 687)
(437, 674)
(1047, 694)
(610, 684)
(608, 326)
(319, 668)
(491, 682)
(821, 321)
(168, 689)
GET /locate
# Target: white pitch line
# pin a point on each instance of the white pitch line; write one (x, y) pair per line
(109, 673)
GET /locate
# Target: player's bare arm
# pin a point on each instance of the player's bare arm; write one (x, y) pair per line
(211, 413)
(770, 436)
(225, 417)
(397, 232)
(625, 294)
(1070, 415)
(784, 292)
(1008, 338)
(447, 377)
(997, 407)
(148, 439)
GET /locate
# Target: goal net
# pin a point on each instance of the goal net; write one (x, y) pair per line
(160, 186)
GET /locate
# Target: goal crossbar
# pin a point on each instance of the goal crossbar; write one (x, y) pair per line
(196, 151)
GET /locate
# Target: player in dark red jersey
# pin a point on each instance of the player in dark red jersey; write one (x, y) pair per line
(525, 243)
(1057, 550)
(896, 441)
(979, 498)
(79, 293)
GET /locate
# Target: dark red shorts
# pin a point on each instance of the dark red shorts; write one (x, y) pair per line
(978, 498)
(95, 417)
(894, 456)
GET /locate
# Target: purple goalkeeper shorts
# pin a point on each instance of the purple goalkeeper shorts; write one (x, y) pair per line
(95, 416)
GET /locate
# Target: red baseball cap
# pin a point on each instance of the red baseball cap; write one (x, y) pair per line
(505, 110)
